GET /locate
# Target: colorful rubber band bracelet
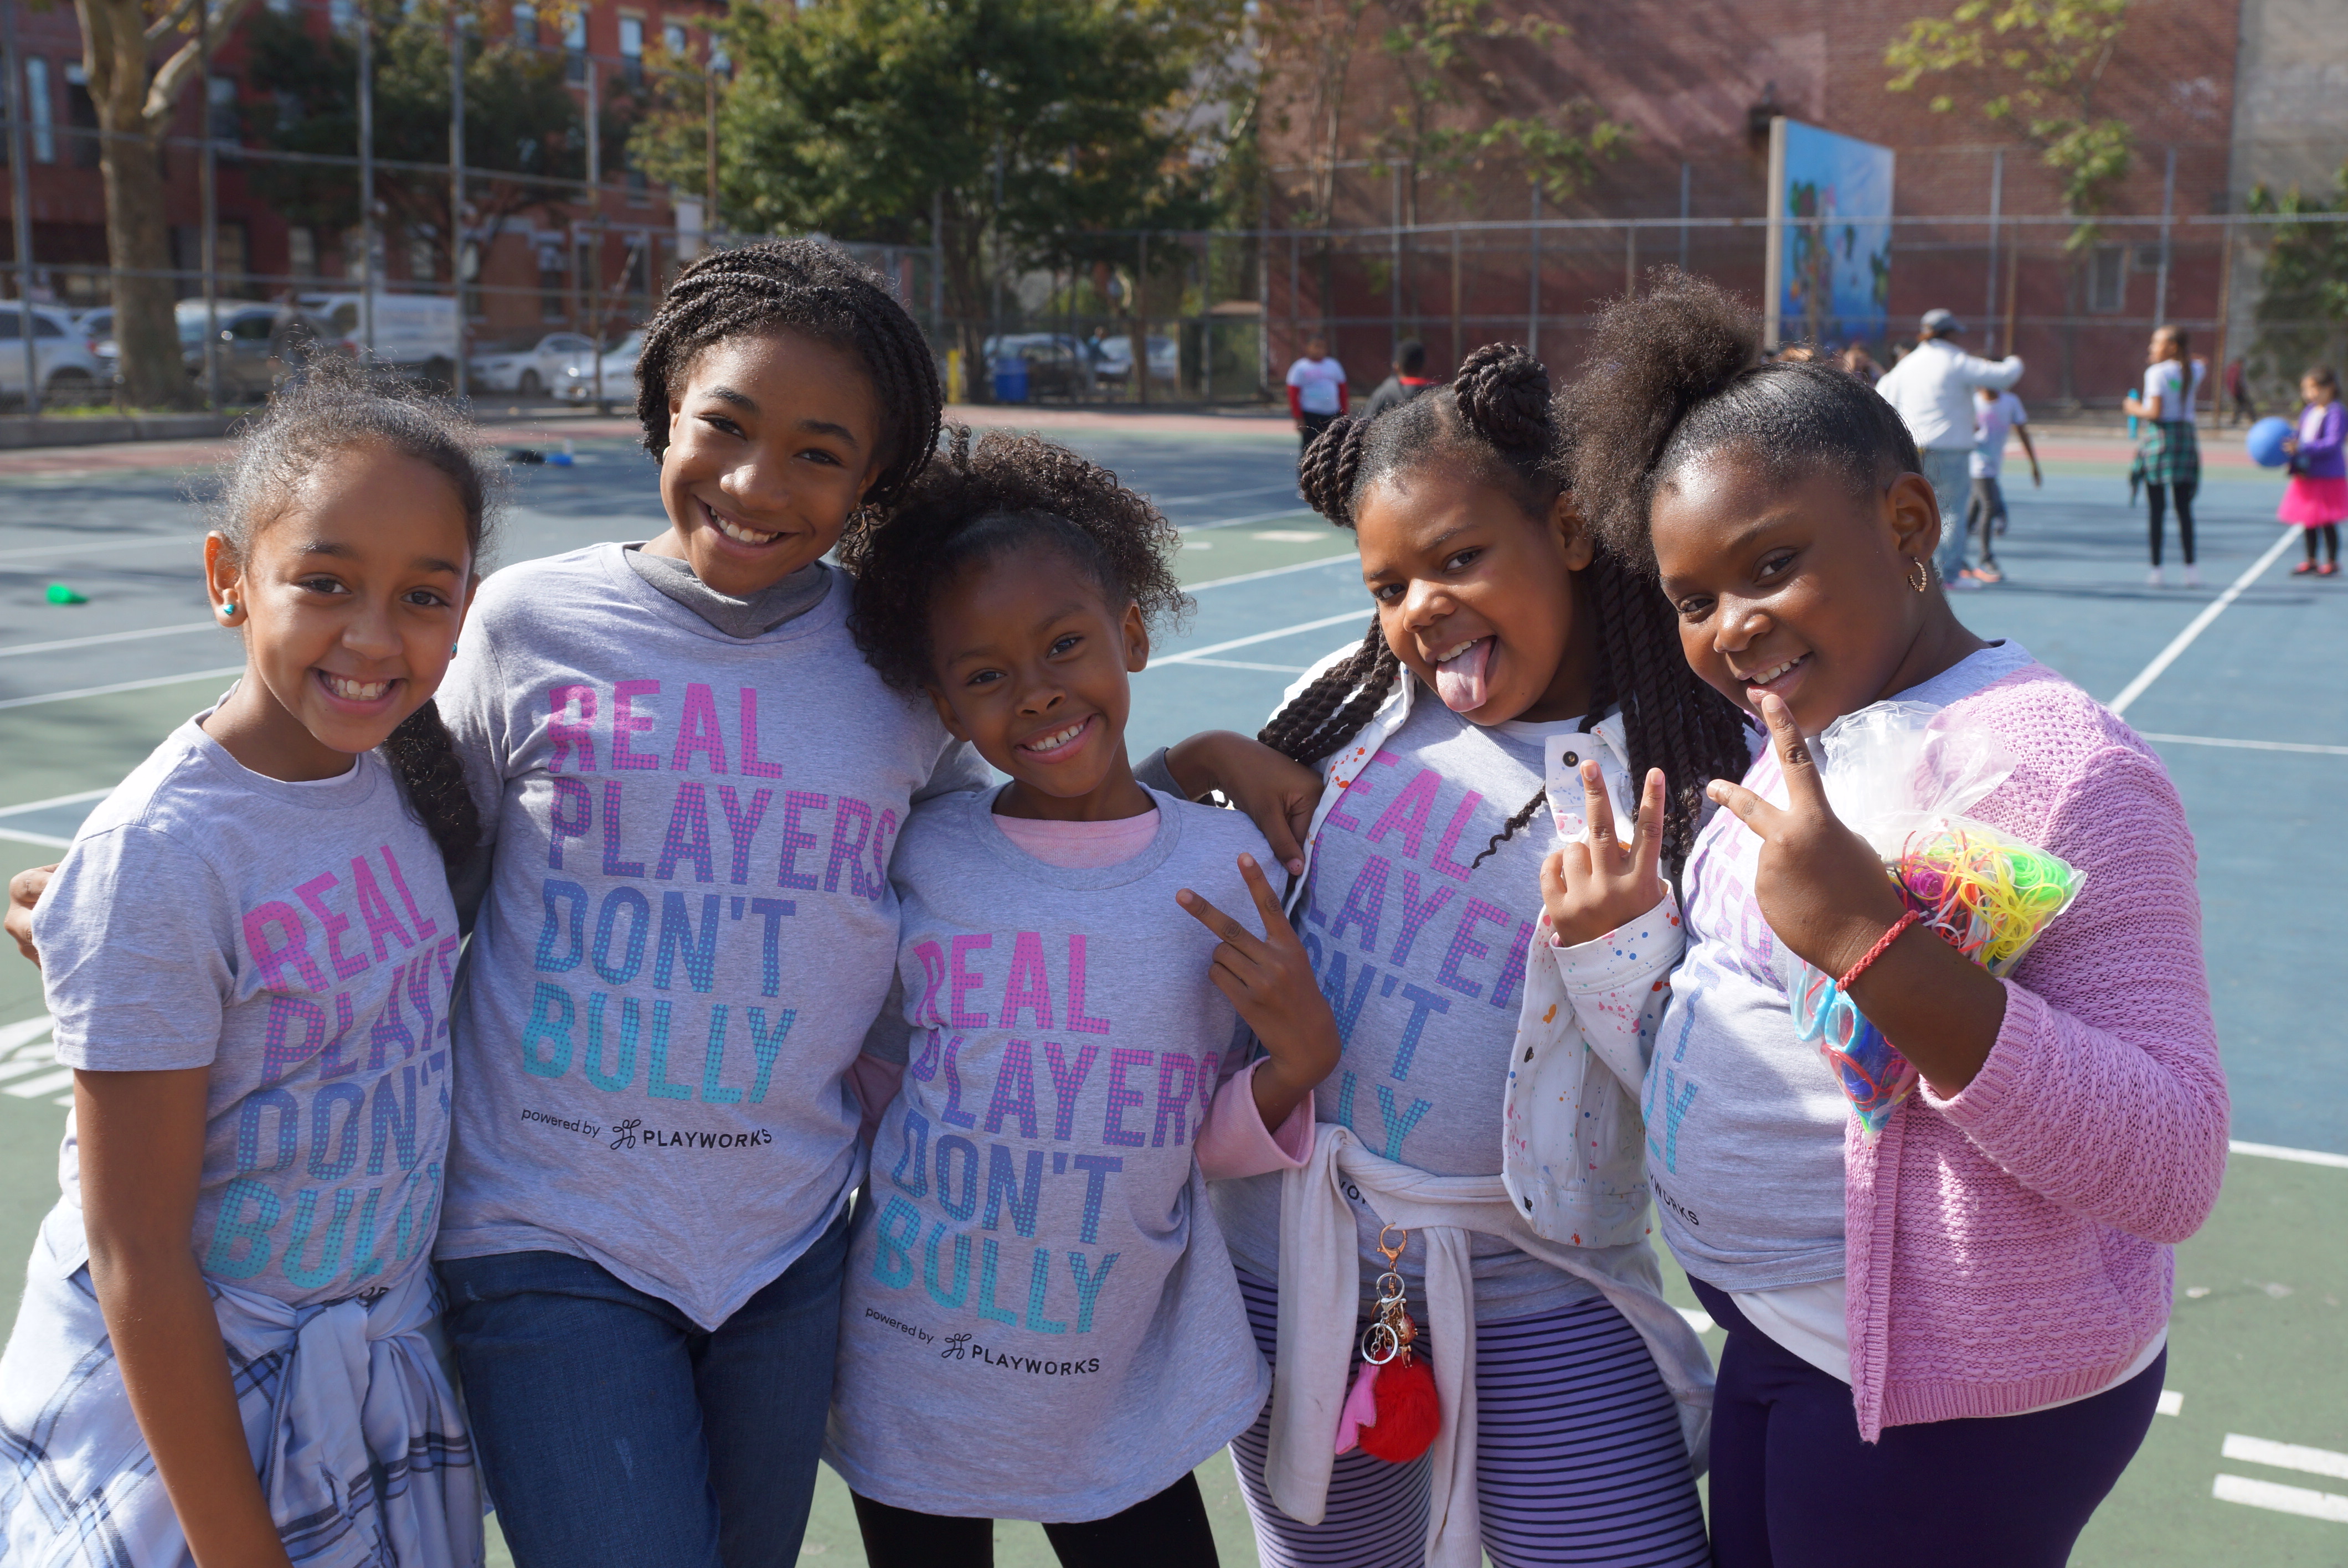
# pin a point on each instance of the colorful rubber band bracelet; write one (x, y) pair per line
(1875, 952)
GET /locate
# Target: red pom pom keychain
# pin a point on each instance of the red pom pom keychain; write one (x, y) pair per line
(1408, 1414)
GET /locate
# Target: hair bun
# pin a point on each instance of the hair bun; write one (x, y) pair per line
(1330, 466)
(1503, 394)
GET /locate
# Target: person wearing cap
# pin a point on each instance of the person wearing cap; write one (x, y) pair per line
(1408, 380)
(1932, 390)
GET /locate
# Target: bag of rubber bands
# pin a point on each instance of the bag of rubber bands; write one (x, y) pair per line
(1902, 775)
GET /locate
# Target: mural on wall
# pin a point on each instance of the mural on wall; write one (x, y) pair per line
(1830, 210)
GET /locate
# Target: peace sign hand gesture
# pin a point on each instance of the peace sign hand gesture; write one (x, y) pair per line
(1820, 886)
(1589, 887)
(1269, 980)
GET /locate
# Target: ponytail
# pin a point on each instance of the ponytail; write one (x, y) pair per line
(424, 754)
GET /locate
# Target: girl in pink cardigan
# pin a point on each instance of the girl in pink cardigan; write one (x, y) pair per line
(1944, 1342)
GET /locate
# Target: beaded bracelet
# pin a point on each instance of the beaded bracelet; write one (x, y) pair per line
(1907, 920)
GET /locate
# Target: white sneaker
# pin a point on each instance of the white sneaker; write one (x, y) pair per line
(2156, 577)
(2193, 577)
(1964, 583)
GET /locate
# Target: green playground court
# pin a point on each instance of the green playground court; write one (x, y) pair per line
(2242, 685)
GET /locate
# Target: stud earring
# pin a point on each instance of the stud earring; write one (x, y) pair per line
(227, 609)
(452, 647)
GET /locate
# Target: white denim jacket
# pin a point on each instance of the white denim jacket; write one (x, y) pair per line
(1570, 1132)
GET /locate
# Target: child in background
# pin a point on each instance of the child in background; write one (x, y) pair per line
(2169, 460)
(1995, 414)
(1945, 1341)
(1317, 392)
(226, 1351)
(1511, 671)
(2317, 496)
(1081, 1335)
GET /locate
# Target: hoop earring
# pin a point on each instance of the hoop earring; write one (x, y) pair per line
(1920, 578)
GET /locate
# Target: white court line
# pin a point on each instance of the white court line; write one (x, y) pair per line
(120, 686)
(2199, 624)
(1268, 571)
(13, 1035)
(16, 650)
(2170, 1403)
(1287, 484)
(1700, 1321)
(2248, 745)
(2305, 1502)
(1191, 656)
(2285, 1456)
(1243, 664)
(1258, 517)
(49, 1083)
(2297, 1156)
(86, 547)
(7, 811)
(46, 840)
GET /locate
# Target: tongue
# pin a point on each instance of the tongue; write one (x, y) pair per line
(1460, 683)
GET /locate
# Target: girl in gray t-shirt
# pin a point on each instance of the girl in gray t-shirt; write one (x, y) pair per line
(1041, 1319)
(229, 1321)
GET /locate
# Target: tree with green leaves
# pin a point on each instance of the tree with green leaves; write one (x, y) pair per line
(1011, 133)
(2302, 309)
(2034, 65)
(520, 120)
(136, 99)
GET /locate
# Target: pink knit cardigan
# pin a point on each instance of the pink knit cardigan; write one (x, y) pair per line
(2008, 1247)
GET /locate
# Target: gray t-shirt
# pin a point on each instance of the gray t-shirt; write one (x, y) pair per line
(1040, 1319)
(1744, 1123)
(1422, 955)
(761, 612)
(688, 930)
(298, 939)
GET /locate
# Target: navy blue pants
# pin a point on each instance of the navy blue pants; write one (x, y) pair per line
(1793, 1486)
(616, 1432)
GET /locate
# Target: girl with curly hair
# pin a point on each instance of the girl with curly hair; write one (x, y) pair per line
(1509, 705)
(1945, 1340)
(1071, 1029)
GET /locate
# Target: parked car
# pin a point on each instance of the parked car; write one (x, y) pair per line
(1114, 364)
(65, 357)
(1058, 365)
(531, 369)
(98, 323)
(578, 383)
(247, 357)
(413, 332)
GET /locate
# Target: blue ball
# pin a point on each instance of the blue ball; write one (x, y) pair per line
(2266, 439)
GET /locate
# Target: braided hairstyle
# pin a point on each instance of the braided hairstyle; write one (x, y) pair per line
(1677, 373)
(806, 287)
(1496, 420)
(332, 407)
(972, 504)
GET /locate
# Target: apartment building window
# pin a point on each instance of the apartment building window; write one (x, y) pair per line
(423, 266)
(2107, 273)
(282, 7)
(40, 111)
(342, 16)
(302, 252)
(574, 47)
(632, 50)
(81, 118)
(525, 26)
(226, 124)
(675, 39)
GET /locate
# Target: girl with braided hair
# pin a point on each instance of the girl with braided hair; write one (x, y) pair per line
(1515, 685)
(1946, 1340)
(692, 784)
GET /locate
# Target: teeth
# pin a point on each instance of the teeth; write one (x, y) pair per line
(1447, 656)
(1766, 676)
(735, 531)
(357, 690)
(1053, 743)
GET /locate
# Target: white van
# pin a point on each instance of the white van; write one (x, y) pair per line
(413, 332)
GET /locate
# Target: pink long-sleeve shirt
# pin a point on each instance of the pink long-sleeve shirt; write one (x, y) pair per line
(2008, 1247)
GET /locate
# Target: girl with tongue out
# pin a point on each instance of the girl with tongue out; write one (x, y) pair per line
(1511, 666)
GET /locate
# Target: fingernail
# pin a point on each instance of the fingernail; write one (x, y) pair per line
(1296, 867)
(1246, 859)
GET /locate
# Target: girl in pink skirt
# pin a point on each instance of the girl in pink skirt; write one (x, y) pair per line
(2317, 499)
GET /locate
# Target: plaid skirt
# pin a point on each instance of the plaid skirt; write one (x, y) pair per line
(356, 1434)
(2169, 454)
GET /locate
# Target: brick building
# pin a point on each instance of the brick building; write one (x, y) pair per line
(531, 268)
(1696, 81)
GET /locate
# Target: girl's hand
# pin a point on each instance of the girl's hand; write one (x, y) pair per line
(24, 892)
(1589, 888)
(1277, 793)
(1821, 886)
(1270, 981)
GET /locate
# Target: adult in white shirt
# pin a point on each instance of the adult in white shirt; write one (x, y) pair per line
(1932, 389)
(1316, 390)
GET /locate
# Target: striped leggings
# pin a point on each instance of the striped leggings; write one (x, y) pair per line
(1579, 1458)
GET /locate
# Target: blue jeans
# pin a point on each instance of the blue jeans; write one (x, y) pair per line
(615, 1430)
(1950, 477)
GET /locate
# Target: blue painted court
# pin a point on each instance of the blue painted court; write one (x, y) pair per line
(2242, 685)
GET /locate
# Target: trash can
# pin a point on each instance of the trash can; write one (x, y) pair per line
(1010, 379)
